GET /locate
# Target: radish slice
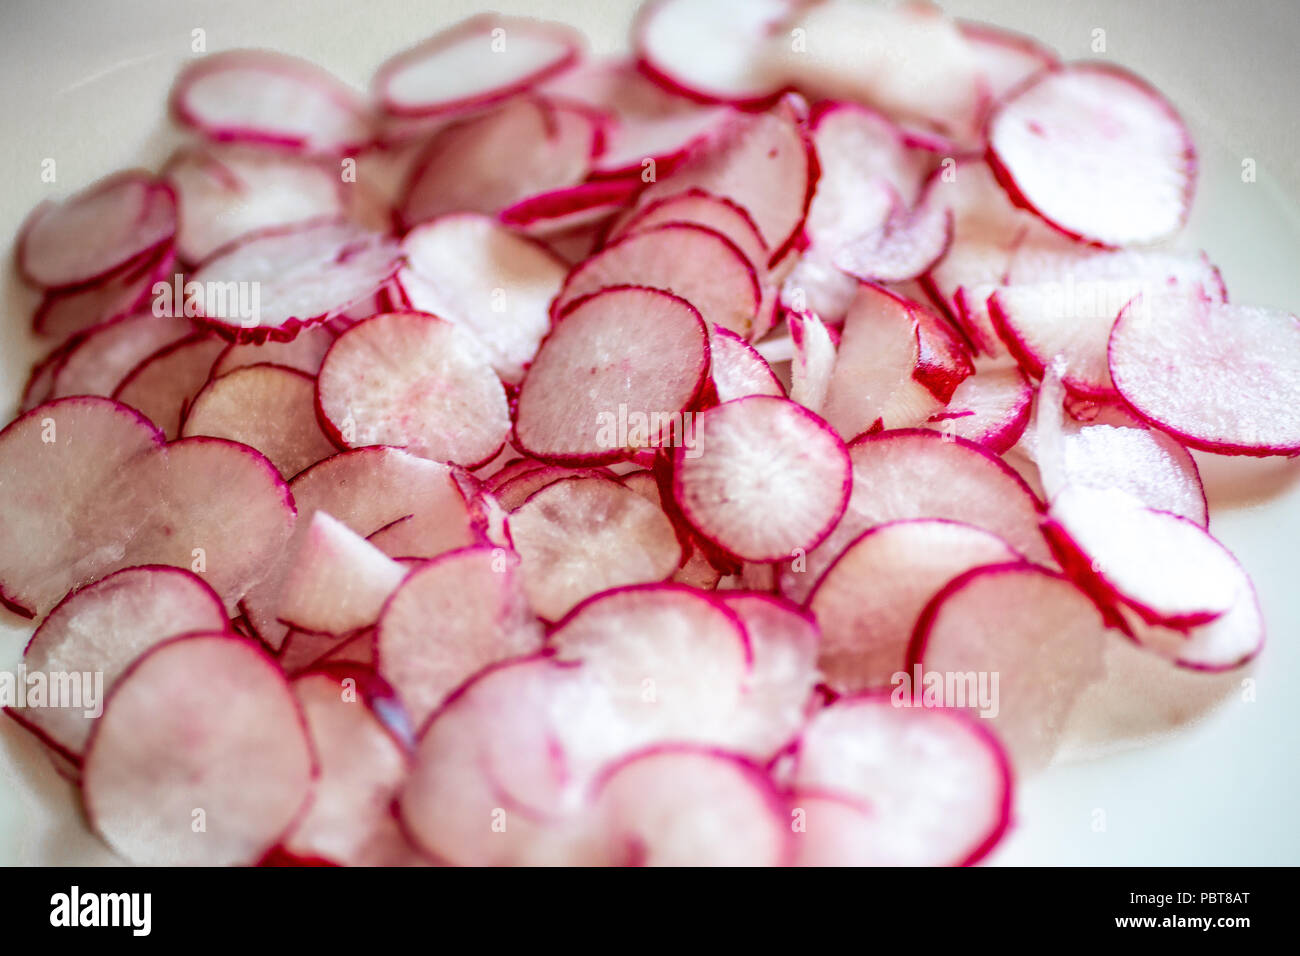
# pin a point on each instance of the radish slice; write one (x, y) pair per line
(415, 381)
(163, 385)
(930, 787)
(219, 779)
(272, 100)
(98, 363)
(687, 806)
(866, 631)
(475, 601)
(703, 209)
(1215, 392)
(905, 246)
(40, 382)
(1097, 153)
(738, 370)
(638, 353)
(271, 284)
(762, 456)
(473, 272)
(1231, 640)
(479, 60)
(991, 408)
(127, 216)
(64, 314)
(1006, 58)
(363, 765)
(814, 361)
(304, 352)
(570, 207)
(579, 536)
(513, 493)
(101, 629)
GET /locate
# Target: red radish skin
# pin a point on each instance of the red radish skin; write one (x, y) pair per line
(569, 207)
(304, 353)
(71, 313)
(991, 408)
(704, 209)
(98, 363)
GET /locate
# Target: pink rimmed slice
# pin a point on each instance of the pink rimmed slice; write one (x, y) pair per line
(1230, 380)
(74, 312)
(694, 205)
(448, 620)
(120, 219)
(272, 100)
(762, 456)
(414, 381)
(1096, 152)
(905, 246)
(737, 370)
(98, 363)
(39, 387)
(1230, 641)
(273, 283)
(814, 360)
(615, 375)
(513, 493)
(571, 207)
(1005, 58)
(883, 785)
(478, 61)
(304, 352)
(201, 729)
(498, 285)
(579, 536)
(866, 630)
(101, 629)
(163, 385)
(991, 408)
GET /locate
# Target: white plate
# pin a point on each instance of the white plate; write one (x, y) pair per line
(86, 86)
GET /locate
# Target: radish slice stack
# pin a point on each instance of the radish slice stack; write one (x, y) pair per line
(742, 452)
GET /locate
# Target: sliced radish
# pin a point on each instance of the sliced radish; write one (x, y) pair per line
(304, 352)
(417, 382)
(163, 385)
(219, 779)
(1230, 641)
(1006, 58)
(571, 207)
(905, 246)
(1097, 153)
(98, 363)
(72, 312)
(737, 370)
(479, 60)
(814, 361)
(991, 408)
(930, 787)
(39, 387)
(513, 493)
(762, 456)
(703, 209)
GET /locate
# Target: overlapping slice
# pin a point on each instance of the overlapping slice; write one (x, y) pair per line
(737, 370)
(813, 364)
(990, 408)
(67, 313)
(163, 385)
(98, 363)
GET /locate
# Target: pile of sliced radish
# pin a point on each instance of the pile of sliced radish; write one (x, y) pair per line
(542, 460)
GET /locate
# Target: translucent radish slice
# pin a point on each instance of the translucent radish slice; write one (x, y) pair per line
(64, 314)
(469, 270)
(94, 232)
(738, 370)
(814, 361)
(417, 382)
(579, 536)
(762, 456)
(639, 356)
(304, 352)
(163, 385)
(479, 60)
(272, 100)
(450, 619)
(1230, 382)
(98, 363)
(991, 408)
(931, 787)
(227, 193)
(101, 629)
(201, 729)
(689, 806)
(866, 631)
(571, 207)
(1058, 139)
(905, 246)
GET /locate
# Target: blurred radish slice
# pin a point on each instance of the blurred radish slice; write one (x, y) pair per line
(1005, 58)
(97, 364)
(271, 100)
(711, 51)
(703, 209)
(1055, 142)
(1015, 644)
(702, 266)
(93, 233)
(579, 536)
(39, 387)
(63, 314)
(101, 629)
(272, 283)
(1216, 392)
(866, 631)
(904, 247)
(417, 382)
(363, 765)
(450, 619)
(638, 353)
(991, 408)
(738, 370)
(233, 747)
(570, 207)
(762, 456)
(814, 361)
(163, 385)
(225, 193)
(931, 787)
(268, 407)
(304, 352)
(677, 805)
(477, 61)
(1229, 641)
(477, 274)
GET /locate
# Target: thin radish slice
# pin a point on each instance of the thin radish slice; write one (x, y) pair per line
(72, 312)
(762, 456)
(1230, 641)
(513, 493)
(304, 649)
(304, 352)
(127, 216)
(1006, 58)
(363, 765)
(1055, 142)
(580, 536)
(634, 355)
(417, 382)
(471, 271)
(933, 787)
(570, 207)
(866, 631)
(272, 100)
(1214, 392)
(905, 246)
(163, 385)
(273, 283)
(991, 408)
(516, 468)
(100, 630)
(40, 382)
(697, 206)
(814, 361)
(690, 806)
(98, 363)
(1015, 644)
(219, 779)
(738, 370)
